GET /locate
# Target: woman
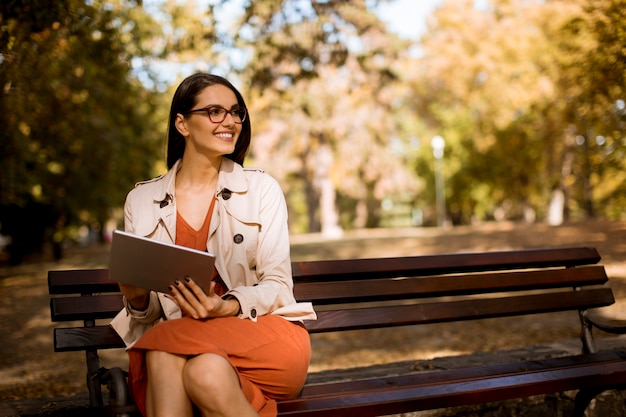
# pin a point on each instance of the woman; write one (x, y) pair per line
(235, 349)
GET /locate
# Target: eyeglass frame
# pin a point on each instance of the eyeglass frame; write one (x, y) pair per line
(232, 113)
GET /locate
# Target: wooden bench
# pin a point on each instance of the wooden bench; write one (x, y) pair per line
(374, 293)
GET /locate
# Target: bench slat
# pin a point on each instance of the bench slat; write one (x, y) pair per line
(439, 312)
(107, 306)
(78, 281)
(447, 388)
(340, 318)
(93, 281)
(387, 316)
(450, 285)
(350, 269)
(85, 308)
(68, 339)
(312, 390)
(75, 281)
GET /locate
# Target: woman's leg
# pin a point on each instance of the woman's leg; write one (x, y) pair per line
(213, 386)
(165, 393)
(270, 356)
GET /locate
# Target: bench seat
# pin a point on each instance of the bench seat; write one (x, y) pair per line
(388, 292)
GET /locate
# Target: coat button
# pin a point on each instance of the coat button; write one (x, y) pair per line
(238, 238)
(226, 193)
(253, 313)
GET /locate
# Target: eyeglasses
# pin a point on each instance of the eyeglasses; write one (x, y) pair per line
(217, 114)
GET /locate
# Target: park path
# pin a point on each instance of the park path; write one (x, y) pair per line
(29, 368)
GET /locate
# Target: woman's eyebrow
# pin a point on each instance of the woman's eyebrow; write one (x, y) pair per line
(219, 105)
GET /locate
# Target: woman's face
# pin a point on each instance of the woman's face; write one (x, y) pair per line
(211, 138)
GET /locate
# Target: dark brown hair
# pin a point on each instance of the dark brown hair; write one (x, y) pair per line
(184, 99)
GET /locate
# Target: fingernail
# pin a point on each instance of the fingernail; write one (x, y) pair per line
(177, 282)
(187, 279)
(170, 287)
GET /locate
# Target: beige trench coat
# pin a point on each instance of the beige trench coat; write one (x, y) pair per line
(248, 235)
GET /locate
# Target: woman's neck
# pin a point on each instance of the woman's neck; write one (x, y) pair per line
(198, 174)
(196, 184)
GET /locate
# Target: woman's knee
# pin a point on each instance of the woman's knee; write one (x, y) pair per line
(208, 374)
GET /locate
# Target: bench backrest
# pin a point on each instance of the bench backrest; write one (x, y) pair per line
(371, 293)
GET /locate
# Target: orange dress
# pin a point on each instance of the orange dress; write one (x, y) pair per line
(271, 356)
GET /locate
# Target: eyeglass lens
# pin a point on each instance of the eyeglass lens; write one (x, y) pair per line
(218, 114)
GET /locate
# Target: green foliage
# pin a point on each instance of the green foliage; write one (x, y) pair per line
(514, 87)
(325, 71)
(596, 77)
(77, 128)
(529, 96)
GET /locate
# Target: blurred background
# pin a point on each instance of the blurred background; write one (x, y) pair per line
(371, 114)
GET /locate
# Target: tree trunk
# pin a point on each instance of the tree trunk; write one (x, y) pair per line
(328, 210)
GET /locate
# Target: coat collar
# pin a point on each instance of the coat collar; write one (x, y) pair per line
(164, 195)
(231, 177)
(231, 184)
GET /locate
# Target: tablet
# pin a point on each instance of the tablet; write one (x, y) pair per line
(148, 263)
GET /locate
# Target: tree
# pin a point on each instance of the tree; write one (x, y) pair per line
(321, 76)
(594, 76)
(78, 128)
(505, 84)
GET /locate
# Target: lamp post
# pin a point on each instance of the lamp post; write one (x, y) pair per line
(438, 144)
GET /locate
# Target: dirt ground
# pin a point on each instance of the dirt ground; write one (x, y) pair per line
(30, 369)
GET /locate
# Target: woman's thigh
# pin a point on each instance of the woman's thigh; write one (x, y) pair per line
(271, 353)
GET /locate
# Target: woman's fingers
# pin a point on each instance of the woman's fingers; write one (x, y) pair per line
(191, 299)
(195, 288)
(179, 298)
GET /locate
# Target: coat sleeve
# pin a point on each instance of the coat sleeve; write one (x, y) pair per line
(129, 323)
(274, 289)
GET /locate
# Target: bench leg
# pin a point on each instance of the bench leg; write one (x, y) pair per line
(584, 398)
(586, 333)
(93, 379)
(120, 402)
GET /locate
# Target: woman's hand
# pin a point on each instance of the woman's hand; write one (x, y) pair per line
(138, 297)
(199, 305)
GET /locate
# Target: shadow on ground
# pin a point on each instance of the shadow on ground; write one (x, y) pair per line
(30, 369)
